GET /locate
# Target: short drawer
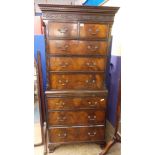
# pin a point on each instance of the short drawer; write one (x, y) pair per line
(76, 134)
(79, 117)
(93, 30)
(76, 81)
(62, 30)
(74, 47)
(76, 103)
(77, 64)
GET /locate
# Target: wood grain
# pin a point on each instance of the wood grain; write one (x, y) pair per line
(77, 64)
(62, 30)
(76, 117)
(76, 103)
(76, 134)
(93, 30)
(76, 81)
(77, 47)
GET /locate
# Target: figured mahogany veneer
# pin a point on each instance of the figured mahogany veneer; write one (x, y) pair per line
(80, 134)
(67, 47)
(62, 29)
(93, 30)
(76, 117)
(77, 54)
(77, 64)
(76, 81)
(76, 103)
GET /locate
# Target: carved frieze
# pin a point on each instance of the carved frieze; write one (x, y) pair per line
(76, 17)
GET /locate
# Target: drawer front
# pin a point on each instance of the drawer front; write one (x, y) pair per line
(76, 103)
(76, 134)
(77, 64)
(93, 30)
(62, 30)
(77, 47)
(76, 117)
(76, 81)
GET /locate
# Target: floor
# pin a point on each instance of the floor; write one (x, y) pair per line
(37, 127)
(80, 149)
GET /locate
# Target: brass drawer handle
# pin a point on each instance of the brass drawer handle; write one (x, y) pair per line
(92, 118)
(60, 104)
(93, 32)
(65, 64)
(91, 64)
(64, 48)
(61, 119)
(91, 104)
(63, 30)
(92, 48)
(63, 82)
(90, 81)
(62, 135)
(91, 134)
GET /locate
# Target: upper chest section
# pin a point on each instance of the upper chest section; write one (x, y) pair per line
(77, 22)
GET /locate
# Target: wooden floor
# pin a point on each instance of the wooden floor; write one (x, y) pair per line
(82, 149)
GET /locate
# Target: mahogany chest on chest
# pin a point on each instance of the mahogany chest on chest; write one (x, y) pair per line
(77, 51)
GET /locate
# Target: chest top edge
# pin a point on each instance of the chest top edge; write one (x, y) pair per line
(69, 12)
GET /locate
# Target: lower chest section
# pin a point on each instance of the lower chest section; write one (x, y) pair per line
(76, 117)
